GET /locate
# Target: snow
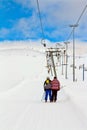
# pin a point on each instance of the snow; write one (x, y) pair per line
(22, 73)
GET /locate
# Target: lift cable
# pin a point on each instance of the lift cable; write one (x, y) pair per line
(77, 22)
(43, 36)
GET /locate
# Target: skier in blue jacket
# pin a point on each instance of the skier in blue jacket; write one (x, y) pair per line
(47, 89)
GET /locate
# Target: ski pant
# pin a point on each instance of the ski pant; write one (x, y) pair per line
(54, 95)
(48, 93)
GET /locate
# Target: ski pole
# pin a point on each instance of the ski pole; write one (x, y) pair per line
(43, 96)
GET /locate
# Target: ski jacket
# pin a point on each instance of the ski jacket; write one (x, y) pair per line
(55, 84)
(47, 84)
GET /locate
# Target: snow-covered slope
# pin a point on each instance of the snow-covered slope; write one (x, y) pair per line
(22, 73)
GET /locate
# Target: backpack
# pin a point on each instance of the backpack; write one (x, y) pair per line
(47, 84)
(47, 81)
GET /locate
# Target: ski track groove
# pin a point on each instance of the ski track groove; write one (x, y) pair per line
(34, 114)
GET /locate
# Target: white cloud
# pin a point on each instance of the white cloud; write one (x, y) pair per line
(61, 13)
(56, 14)
(27, 26)
(57, 10)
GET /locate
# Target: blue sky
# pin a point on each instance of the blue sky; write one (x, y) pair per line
(19, 19)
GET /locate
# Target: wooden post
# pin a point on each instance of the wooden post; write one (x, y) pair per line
(51, 54)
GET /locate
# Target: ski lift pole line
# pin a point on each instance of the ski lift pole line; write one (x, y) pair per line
(72, 32)
(43, 36)
(77, 22)
(81, 14)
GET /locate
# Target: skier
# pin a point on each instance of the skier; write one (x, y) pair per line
(47, 89)
(55, 88)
